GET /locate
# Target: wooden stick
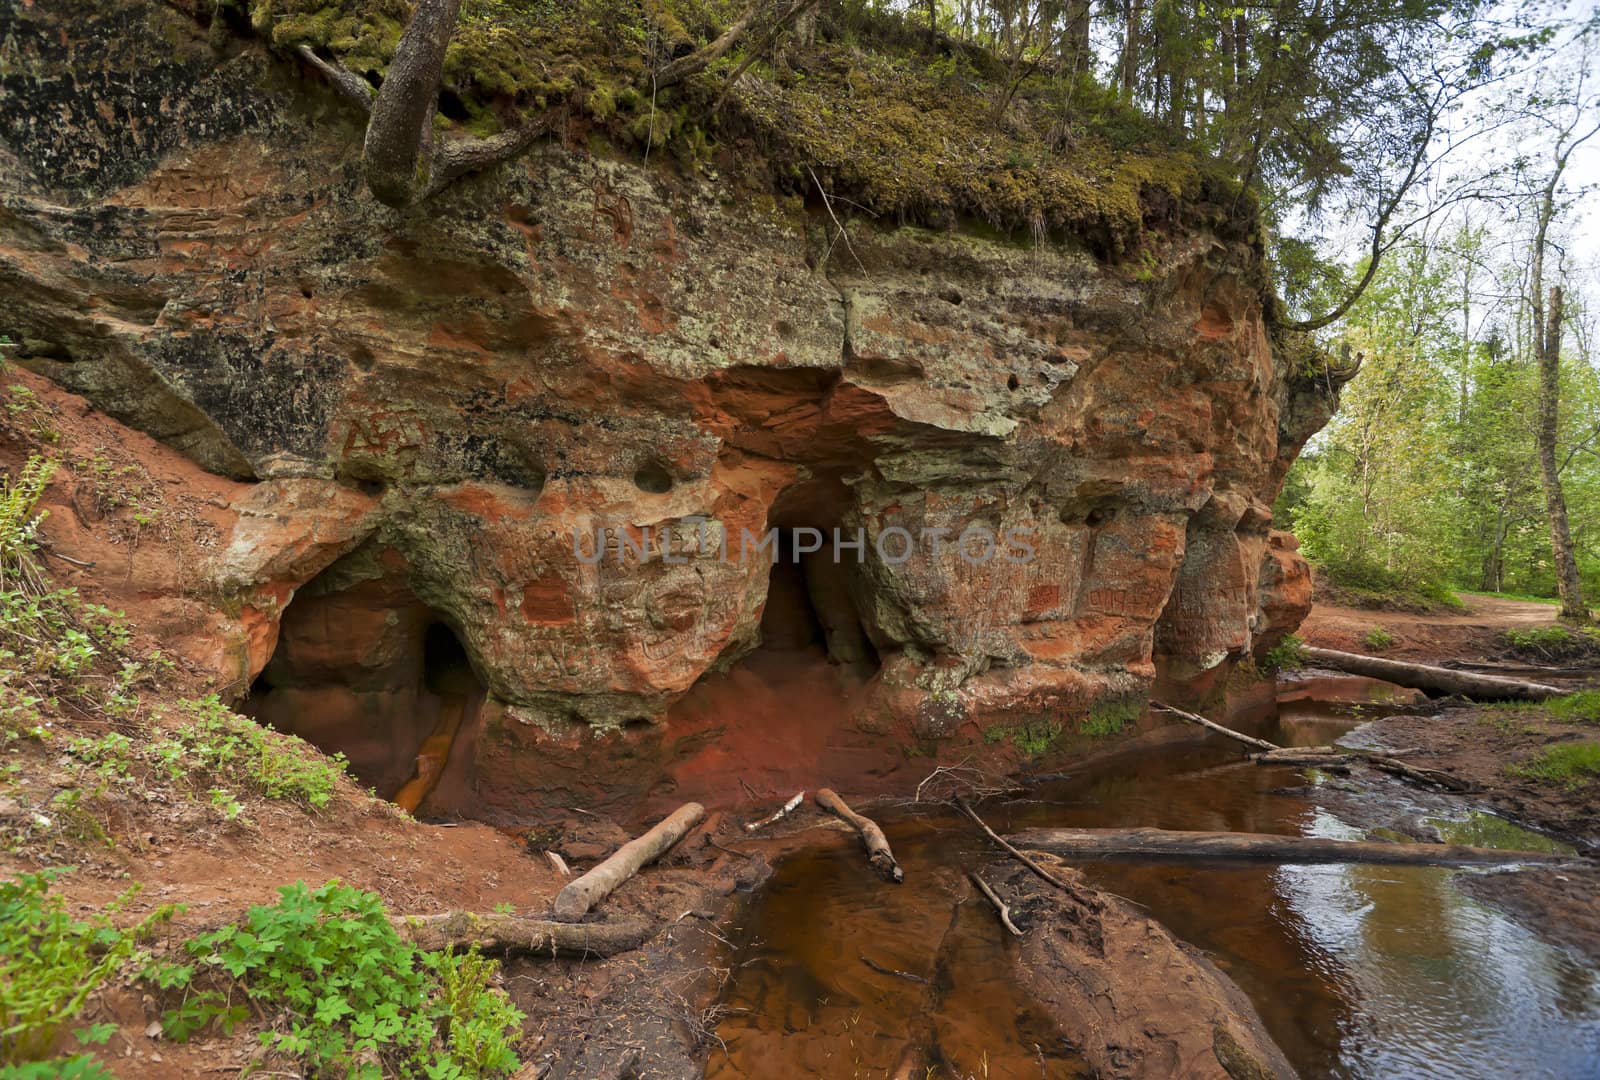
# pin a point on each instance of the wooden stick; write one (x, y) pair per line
(559, 863)
(1437, 679)
(1168, 844)
(1025, 859)
(512, 934)
(1000, 906)
(777, 814)
(1210, 725)
(578, 897)
(883, 970)
(879, 855)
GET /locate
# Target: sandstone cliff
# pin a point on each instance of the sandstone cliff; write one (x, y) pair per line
(411, 415)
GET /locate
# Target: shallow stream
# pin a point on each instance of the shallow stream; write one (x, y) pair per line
(1356, 970)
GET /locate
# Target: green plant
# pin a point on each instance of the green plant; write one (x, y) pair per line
(1034, 737)
(1378, 639)
(236, 750)
(51, 962)
(1109, 718)
(1288, 655)
(78, 1067)
(1553, 642)
(1582, 707)
(355, 999)
(1569, 764)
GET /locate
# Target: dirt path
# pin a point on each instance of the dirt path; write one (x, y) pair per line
(1471, 633)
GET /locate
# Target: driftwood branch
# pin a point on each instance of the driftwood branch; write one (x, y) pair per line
(577, 898)
(1322, 757)
(879, 855)
(1435, 679)
(778, 814)
(1168, 844)
(1027, 860)
(1000, 906)
(510, 933)
(1211, 725)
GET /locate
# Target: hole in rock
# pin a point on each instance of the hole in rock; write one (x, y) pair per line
(365, 669)
(653, 477)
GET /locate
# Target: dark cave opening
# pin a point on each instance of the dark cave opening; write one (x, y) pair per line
(367, 670)
(811, 605)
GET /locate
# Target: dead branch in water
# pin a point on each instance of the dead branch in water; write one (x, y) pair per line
(513, 934)
(1000, 906)
(1212, 725)
(884, 970)
(1026, 860)
(575, 900)
(879, 855)
(1322, 757)
(1170, 844)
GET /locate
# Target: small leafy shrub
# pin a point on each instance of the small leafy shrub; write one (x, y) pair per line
(217, 752)
(1288, 655)
(1568, 764)
(1553, 642)
(79, 1067)
(1378, 640)
(235, 749)
(50, 963)
(1109, 718)
(355, 999)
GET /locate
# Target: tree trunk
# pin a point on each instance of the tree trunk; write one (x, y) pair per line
(1168, 844)
(574, 901)
(1435, 679)
(1130, 49)
(398, 154)
(1547, 340)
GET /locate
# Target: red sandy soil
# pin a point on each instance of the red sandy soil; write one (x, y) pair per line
(1468, 634)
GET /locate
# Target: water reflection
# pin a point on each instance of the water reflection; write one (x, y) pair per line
(1357, 971)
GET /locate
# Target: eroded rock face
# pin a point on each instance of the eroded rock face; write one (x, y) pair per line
(473, 391)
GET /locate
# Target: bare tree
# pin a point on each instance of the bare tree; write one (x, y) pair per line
(1569, 135)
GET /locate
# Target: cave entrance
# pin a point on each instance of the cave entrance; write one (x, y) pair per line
(811, 606)
(365, 669)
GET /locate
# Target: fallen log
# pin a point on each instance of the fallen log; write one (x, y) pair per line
(777, 814)
(1333, 757)
(1438, 680)
(1222, 846)
(578, 897)
(879, 855)
(513, 934)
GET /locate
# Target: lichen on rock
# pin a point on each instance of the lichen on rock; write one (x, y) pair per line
(584, 341)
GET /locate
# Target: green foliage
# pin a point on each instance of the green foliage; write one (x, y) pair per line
(78, 1067)
(355, 999)
(51, 962)
(1572, 765)
(1031, 737)
(1580, 708)
(1109, 718)
(1554, 642)
(1378, 639)
(1288, 655)
(216, 751)
(1428, 478)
